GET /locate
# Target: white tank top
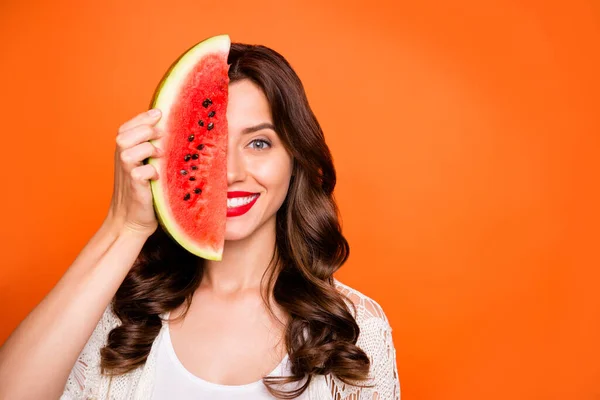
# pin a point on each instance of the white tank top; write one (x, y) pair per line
(174, 381)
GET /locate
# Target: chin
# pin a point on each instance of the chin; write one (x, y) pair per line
(235, 235)
(236, 230)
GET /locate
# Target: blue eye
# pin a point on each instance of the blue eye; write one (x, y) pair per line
(264, 143)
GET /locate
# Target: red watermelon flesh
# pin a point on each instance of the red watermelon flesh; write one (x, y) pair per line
(190, 196)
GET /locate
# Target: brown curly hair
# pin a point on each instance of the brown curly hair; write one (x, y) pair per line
(321, 333)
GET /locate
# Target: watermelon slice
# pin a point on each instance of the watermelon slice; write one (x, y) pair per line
(190, 196)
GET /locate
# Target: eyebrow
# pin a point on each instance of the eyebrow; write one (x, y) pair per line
(259, 127)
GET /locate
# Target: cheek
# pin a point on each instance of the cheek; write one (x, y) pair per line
(272, 172)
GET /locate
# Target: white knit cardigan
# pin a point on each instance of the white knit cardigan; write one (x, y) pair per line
(85, 381)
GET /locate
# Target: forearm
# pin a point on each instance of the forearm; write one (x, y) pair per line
(37, 358)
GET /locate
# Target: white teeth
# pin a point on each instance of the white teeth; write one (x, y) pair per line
(240, 201)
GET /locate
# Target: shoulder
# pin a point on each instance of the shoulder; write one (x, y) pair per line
(375, 336)
(365, 308)
(107, 323)
(99, 336)
(375, 339)
(85, 378)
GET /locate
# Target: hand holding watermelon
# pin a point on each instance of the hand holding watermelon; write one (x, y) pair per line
(131, 206)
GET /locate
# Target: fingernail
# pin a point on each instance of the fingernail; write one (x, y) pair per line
(155, 112)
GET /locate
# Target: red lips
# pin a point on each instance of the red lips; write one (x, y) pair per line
(240, 210)
(233, 195)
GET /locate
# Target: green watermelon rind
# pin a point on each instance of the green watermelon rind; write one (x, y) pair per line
(163, 97)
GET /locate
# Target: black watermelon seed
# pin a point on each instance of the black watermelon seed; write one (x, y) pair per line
(201, 123)
(200, 146)
(211, 114)
(206, 103)
(197, 191)
(191, 138)
(195, 156)
(187, 196)
(187, 157)
(192, 178)
(183, 172)
(194, 167)
(210, 126)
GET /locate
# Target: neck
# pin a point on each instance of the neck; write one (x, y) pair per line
(244, 262)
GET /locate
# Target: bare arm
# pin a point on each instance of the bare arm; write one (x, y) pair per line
(36, 359)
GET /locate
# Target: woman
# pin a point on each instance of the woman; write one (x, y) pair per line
(136, 316)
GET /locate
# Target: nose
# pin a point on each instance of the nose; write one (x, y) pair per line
(236, 169)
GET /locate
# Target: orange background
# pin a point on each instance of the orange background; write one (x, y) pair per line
(466, 138)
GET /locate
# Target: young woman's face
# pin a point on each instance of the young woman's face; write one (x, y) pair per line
(257, 162)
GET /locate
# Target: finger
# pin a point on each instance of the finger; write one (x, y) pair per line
(134, 156)
(148, 117)
(137, 135)
(144, 173)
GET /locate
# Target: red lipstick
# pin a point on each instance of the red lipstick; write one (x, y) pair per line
(243, 209)
(233, 195)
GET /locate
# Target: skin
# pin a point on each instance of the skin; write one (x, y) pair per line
(228, 336)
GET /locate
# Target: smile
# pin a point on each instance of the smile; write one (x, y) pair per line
(240, 205)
